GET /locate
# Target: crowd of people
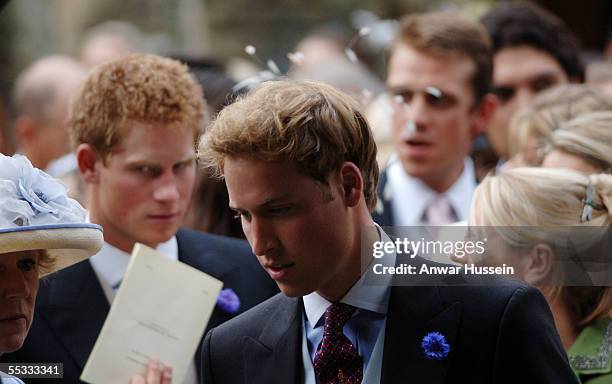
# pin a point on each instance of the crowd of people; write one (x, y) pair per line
(279, 191)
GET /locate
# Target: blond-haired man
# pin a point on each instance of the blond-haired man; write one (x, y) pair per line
(299, 161)
(439, 75)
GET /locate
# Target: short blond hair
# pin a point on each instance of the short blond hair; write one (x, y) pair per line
(547, 198)
(141, 87)
(309, 123)
(451, 33)
(588, 136)
(549, 111)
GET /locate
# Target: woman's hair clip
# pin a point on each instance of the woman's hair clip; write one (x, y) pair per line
(588, 203)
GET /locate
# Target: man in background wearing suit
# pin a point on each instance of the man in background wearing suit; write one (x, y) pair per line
(136, 122)
(438, 77)
(299, 162)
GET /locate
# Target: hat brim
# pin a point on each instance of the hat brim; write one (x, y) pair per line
(66, 244)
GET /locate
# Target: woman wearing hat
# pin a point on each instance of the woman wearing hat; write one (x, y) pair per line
(41, 231)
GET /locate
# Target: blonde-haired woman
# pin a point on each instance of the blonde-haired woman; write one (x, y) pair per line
(531, 129)
(526, 208)
(583, 144)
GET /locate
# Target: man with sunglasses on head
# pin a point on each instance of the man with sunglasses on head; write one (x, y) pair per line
(439, 75)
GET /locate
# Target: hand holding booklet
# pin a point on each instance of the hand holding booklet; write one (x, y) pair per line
(160, 312)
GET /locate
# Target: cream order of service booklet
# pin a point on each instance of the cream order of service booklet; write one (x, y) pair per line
(160, 312)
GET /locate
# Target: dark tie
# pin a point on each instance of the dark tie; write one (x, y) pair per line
(336, 360)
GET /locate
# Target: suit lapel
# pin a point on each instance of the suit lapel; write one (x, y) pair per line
(275, 357)
(75, 307)
(413, 313)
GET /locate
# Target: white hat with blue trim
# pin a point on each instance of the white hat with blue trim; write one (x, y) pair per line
(36, 213)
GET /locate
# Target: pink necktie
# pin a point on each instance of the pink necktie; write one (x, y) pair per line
(336, 360)
(440, 212)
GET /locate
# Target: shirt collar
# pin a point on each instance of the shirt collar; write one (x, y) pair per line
(374, 298)
(111, 263)
(402, 184)
(590, 353)
(460, 193)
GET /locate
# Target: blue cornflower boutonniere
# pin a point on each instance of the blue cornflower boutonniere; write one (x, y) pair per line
(228, 301)
(435, 346)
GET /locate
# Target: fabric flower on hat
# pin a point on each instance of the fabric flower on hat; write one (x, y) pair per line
(28, 196)
(14, 212)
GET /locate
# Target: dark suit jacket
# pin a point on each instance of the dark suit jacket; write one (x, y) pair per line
(383, 215)
(71, 306)
(501, 334)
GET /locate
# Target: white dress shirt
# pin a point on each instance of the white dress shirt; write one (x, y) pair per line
(411, 196)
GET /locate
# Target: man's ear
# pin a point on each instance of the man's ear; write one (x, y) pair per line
(25, 130)
(87, 159)
(538, 265)
(483, 113)
(351, 183)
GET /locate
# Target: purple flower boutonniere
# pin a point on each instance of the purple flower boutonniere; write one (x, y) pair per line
(228, 301)
(435, 346)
